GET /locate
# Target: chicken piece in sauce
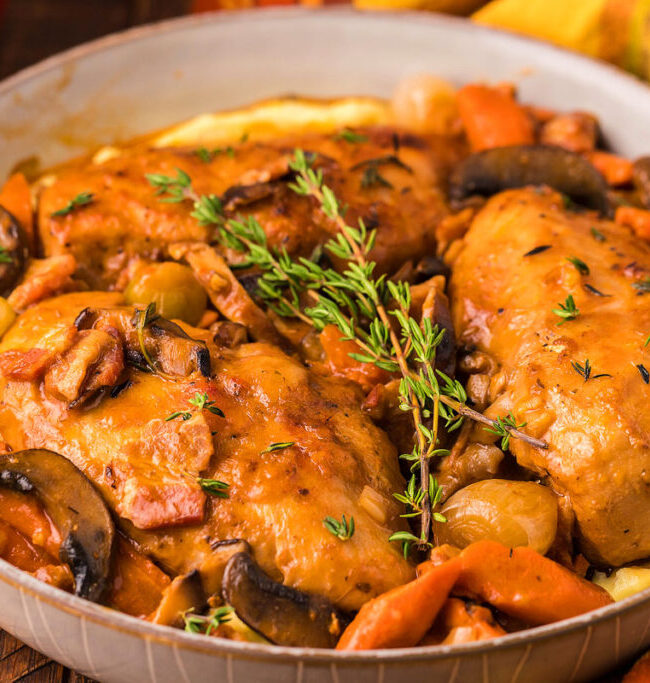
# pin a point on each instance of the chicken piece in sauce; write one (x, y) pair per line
(393, 181)
(577, 379)
(147, 465)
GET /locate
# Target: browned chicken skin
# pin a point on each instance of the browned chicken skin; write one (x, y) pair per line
(146, 466)
(598, 430)
(400, 195)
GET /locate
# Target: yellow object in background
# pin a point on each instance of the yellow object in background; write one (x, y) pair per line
(614, 30)
(462, 7)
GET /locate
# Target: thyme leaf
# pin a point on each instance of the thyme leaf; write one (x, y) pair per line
(214, 487)
(281, 445)
(579, 265)
(598, 235)
(343, 530)
(567, 310)
(82, 199)
(350, 136)
(5, 256)
(585, 370)
(538, 250)
(502, 428)
(642, 286)
(205, 624)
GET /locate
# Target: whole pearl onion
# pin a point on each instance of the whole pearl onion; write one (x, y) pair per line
(515, 513)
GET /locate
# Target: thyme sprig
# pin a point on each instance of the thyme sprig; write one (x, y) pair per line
(343, 530)
(205, 624)
(579, 265)
(279, 446)
(503, 427)
(82, 199)
(200, 402)
(214, 487)
(360, 304)
(585, 370)
(567, 310)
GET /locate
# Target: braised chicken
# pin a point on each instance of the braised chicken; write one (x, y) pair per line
(341, 387)
(580, 381)
(147, 465)
(393, 181)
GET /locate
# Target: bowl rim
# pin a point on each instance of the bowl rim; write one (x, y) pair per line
(118, 621)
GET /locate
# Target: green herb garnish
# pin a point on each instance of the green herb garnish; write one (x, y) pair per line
(567, 310)
(343, 530)
(586, 369)
(214, 487)
(197, 623)
(579, 265)
(82, 199)
(642, 286)
(503, 428)
(5, 256)
(350, 136)
(280, 445)
(362, 305)
(598, 235)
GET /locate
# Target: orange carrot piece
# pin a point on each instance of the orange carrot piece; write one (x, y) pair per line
(467, 623)
(18, 550)
(16, 197)
(492, 118)
(525, 584)
(640, 672)
(401, 617)
(136, 585)
(341, 364)
(25, 514)
(615, 169)
(637, 219)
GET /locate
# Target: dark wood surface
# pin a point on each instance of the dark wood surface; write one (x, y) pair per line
(31, 30)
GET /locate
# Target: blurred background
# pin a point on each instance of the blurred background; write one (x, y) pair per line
(617, 31)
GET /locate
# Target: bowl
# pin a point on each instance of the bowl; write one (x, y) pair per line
(147, 78)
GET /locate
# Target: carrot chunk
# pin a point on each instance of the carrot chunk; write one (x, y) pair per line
(492, 118)
(525, 584)
(637, 219)
(137, 584)
(401, 617)
(615, 169)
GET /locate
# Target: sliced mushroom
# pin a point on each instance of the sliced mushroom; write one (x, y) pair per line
(642, 179)
(192, 590)
(493, 170)
(76, 508)
(283, 615)
(14, 252)
(168, 346)
(183, 594)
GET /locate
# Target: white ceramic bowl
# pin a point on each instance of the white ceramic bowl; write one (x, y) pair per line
(150, 77)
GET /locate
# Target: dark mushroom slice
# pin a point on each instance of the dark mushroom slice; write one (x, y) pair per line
(641, 171)
(13, 252)
(497, 169)
(192, 590)
(76, 508)
(283, 615)
(171, 350)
